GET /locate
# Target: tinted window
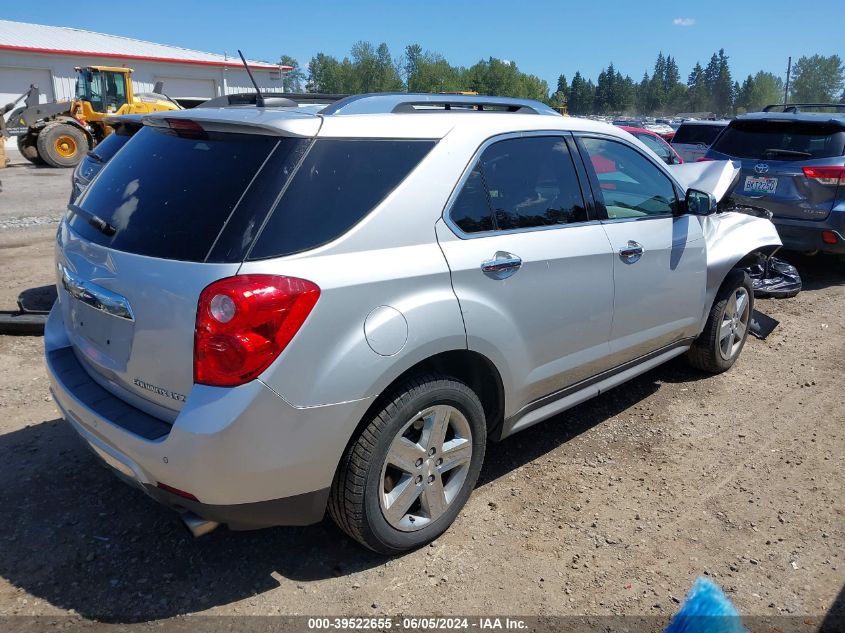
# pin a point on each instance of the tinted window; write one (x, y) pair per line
(781, 140)
(339, 182)
(520, 183)
(630, 185)
(167, 195)
(113, 142)
(697, 133)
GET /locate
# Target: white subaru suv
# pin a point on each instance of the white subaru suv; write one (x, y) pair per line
(266, 312)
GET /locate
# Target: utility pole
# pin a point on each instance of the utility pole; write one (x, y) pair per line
(786, 87)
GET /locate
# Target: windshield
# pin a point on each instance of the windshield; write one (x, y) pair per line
(781, 140)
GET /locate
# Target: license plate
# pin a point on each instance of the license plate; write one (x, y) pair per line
(760, 185)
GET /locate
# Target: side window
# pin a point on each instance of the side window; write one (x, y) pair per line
(630, 185)
(339, 182)
(520, 183)
(654, 145)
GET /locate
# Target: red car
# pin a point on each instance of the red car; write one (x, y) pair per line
(655, 143)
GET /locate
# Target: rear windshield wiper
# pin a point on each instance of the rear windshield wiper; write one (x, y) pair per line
(97, 222)
(785, 152)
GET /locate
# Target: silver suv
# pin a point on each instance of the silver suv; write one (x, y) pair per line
(264, 313)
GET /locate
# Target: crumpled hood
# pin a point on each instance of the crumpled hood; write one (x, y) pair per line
(716, 177)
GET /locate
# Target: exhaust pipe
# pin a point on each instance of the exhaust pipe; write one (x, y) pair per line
(196, 525)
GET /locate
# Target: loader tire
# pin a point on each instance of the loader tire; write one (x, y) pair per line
(28, 147)
(61, 144)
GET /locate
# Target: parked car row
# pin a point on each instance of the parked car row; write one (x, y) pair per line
(269, 313)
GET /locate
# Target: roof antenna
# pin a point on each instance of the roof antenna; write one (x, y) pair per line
(259, 98)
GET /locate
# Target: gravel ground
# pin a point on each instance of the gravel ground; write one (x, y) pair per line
(612, 508)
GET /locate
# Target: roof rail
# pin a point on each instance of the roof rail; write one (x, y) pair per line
(404, 102)
(800, 107)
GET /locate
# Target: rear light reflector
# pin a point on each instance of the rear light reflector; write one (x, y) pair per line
(244, 323)
(703, 159)
(825, 175)
(187, 128)
(829, 237)
(176, 491)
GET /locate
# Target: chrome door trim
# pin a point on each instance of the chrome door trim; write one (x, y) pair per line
(95, 296)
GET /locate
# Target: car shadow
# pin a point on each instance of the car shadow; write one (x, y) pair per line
(73, 535)
(817, 272)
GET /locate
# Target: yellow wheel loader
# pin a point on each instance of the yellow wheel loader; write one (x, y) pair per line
(59, 134)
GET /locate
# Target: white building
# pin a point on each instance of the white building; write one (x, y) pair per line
(46, 56)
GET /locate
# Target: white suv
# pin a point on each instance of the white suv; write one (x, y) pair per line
(264, 312)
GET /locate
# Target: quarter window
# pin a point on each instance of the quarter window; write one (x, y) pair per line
(630, 185)
(520, 183)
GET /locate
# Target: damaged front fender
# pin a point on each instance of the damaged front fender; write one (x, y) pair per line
(733, 238)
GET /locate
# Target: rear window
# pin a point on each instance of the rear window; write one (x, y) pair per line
(338, 184)
(108, 146)
(169, 196)
(781, 140)
(698, 133)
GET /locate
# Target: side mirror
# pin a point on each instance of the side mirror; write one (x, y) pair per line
(700, 202)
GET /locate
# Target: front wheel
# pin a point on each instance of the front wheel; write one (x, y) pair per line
(62, 144)
(719, 345)
(406, 476)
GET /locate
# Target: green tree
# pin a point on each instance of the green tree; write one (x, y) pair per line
(698, 94)
(758, 91)
(561, 94)
(430, 72)
(327, 74)
(581, 94)
(817, 79)
(292, 80)
(723, 86)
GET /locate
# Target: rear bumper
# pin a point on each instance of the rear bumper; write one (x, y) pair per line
(801, 235)
(251, 459)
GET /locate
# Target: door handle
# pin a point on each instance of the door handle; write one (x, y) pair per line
(631, 253)
(502, 265)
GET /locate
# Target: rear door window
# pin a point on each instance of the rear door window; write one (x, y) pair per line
(520, 183)
(168, 195)
(338, 184)
(781, 140)
(697, 134)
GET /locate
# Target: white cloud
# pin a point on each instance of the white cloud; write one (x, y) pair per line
(683, 21)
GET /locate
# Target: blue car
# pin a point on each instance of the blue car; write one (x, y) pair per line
(793, 164)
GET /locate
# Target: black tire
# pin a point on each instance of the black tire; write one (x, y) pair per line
(27, 146)
(354, 503)
(51, 138)
(705, 353)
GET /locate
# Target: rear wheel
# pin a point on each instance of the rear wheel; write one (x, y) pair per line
(61, 144)
(406, 476)
(726, 331)
(28, 147)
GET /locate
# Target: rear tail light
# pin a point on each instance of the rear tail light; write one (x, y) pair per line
(829, 237)
(825, 175)
(703, 159)
(245, 322)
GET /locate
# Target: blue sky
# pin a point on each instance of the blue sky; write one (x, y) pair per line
(543, 38)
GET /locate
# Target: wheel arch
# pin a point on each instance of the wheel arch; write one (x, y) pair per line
(472, 368)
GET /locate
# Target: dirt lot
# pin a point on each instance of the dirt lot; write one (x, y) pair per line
(612, 508)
